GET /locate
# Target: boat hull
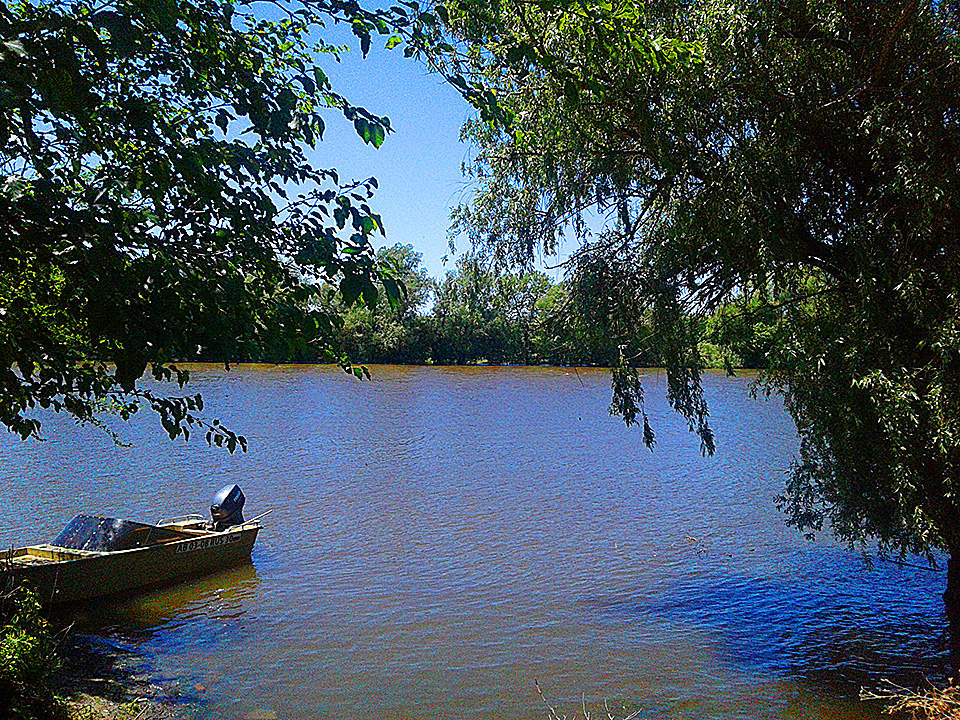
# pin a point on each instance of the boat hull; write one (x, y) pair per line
(84, 576)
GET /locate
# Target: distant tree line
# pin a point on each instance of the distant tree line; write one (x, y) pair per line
(479, 314)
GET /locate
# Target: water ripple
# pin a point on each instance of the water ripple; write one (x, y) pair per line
(443, 537)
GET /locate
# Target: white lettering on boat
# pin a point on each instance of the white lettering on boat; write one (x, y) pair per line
(207, 542)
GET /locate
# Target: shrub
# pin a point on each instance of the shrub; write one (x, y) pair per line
(28, 659)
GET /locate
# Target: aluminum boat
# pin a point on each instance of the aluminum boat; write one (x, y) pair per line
(98, 556)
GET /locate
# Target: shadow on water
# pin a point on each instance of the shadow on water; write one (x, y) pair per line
(108, 668)
(108, 650)
(822, 638)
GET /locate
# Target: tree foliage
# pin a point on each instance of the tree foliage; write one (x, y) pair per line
(157, 202)
(480, 312)
(476, 313)
(797, 158)
(391, 332)
(28, 659)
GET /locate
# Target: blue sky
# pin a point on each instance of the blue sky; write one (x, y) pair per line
(418, 166)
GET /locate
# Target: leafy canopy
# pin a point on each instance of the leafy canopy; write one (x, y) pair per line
(477, 312)
(157, 203)
(391, 332)
(795, 157)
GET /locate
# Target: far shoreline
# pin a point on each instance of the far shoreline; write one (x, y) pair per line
(208, 364)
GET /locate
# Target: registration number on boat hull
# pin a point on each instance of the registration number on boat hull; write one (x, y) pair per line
(201, 543)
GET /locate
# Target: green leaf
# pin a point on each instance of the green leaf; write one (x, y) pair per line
(350, 289)
(223, 120)
(377, 135)
(286, 99)
(321, 79)
(367, 225)
(308, 85)
(393, 291)
(363, 128)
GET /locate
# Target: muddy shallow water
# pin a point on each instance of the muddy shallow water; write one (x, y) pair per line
(443, 538)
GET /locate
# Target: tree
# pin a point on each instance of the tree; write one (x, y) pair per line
(464, 314)
(407, 264)
(392, 332)
(516, 302)
(156, 201)
(798, 153)
(482, 313)
(565, 334)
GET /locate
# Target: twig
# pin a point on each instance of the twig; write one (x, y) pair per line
(934, 703)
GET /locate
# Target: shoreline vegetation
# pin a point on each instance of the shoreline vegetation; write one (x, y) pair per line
(481, 314)
(928, 703)
(49, 672)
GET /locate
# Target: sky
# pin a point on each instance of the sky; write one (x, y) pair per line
(418, 165)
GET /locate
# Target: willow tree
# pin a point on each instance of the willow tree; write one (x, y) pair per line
(796, 157)
(157, 202)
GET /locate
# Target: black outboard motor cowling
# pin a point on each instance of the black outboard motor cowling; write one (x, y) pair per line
(226, 508)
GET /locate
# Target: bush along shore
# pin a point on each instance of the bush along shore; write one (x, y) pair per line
(481, 314)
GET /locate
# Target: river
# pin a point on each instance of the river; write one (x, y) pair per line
(442, 539)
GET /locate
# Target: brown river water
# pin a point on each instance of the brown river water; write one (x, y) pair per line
(442, 539)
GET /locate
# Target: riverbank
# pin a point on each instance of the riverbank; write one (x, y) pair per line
(91, 707)
(97, 681)
(49, 672)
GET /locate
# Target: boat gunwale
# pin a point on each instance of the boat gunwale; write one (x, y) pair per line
(7, 563)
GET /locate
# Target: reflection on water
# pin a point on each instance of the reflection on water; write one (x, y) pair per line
(444, 537)
(218, 599)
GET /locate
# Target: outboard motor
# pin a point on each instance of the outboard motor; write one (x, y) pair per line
(226, 508)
